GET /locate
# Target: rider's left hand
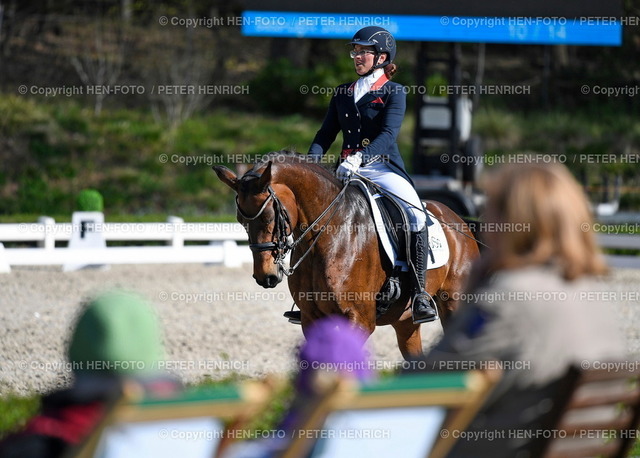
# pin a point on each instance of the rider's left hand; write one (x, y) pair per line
(349, 166)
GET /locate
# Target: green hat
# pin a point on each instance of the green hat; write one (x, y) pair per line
(117, 333)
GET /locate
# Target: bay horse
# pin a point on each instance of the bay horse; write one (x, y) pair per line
(338, 266)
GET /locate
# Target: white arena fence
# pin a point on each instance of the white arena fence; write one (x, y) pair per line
(226, 244)
(622, 241)
(223, 243)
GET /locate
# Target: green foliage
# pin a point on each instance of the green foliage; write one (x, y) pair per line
(35, 194)
(18, 114)
(436, 84)
(44, 149)
(277, 87)
(90, 200)
(15, 411)
(635, 450)
(499, 129)
(282, 87)
(630, 201)
(72, 119)
(586, 142)
(51, 151)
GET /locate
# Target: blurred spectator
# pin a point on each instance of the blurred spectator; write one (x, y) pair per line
(116, 341)
(333, 346)
(535, 304)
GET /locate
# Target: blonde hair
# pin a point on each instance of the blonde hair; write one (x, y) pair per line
(550, 221)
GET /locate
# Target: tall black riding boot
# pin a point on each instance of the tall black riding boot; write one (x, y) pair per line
(422, 304)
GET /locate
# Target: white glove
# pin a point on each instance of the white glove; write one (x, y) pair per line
(349, 166)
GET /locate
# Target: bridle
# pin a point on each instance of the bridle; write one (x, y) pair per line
(282, 241)
(282, 226)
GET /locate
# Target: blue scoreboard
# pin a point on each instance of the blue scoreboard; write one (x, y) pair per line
(570, 22)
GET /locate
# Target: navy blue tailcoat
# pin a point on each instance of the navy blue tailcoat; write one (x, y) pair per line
(371, 125)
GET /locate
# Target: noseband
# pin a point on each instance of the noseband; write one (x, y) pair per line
(281, 231)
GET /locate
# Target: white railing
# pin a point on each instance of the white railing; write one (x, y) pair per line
(223, 247)
(624, 241)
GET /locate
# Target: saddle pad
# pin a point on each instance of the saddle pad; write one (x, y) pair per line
(438, 246)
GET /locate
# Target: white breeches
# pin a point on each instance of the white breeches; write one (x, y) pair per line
(384, 176)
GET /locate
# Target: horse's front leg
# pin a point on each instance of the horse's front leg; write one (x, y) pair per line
(355, 293)
(359, 315)
(409, 338)
(351, 311)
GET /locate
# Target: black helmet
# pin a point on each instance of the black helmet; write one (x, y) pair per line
(380, 39)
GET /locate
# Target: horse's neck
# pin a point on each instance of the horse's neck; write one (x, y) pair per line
(315, 193)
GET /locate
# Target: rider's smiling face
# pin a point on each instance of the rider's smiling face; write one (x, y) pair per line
(364, 58)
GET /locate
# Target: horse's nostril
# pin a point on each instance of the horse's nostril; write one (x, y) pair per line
(271, 281)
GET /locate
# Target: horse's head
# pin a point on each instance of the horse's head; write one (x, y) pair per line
(265, 217)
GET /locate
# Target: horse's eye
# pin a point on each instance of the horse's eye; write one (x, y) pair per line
(268, 219)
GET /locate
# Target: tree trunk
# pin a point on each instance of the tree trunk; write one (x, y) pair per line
(127, 11)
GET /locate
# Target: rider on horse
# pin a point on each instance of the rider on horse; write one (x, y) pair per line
(369, 112)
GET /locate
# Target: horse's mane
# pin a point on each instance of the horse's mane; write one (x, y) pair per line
(285, 156)
(281, 156)
(292, 157)
(354, 198)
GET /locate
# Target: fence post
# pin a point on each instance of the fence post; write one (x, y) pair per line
(48, 242)
(5, 268)
(86, 232)
(177, 239)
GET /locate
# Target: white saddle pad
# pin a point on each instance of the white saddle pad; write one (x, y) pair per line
(438, 245)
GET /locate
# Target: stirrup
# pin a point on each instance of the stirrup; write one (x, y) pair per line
(424, 318)
(294, 316)
(388, 294)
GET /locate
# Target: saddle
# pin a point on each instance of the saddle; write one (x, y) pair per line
(396, 224)
(393, 228)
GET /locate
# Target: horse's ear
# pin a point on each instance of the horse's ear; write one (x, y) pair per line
(265, 179)
(226, 176)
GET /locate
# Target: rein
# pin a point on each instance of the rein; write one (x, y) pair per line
(282, 234)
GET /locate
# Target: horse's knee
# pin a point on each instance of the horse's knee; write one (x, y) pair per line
(445, 309)
(366, 327)
(360, 320)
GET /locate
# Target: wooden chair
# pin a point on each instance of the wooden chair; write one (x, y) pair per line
(427, 407)
(209, 416)
(601, 415)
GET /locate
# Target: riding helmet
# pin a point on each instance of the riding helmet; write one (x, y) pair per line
(380, 39)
